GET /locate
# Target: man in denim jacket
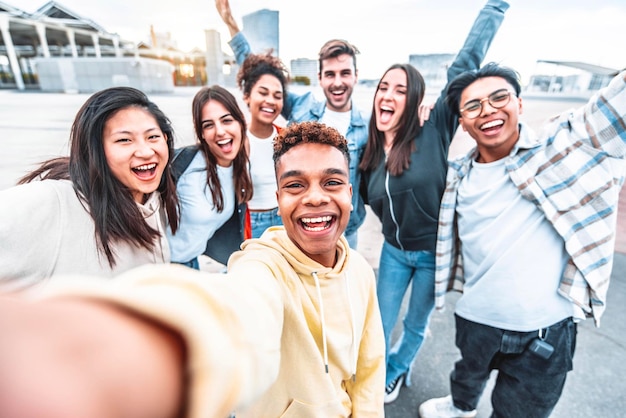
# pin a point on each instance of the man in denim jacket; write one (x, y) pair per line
(527, 233)
(337, 76)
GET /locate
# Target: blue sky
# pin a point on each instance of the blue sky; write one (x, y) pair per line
(386, 31)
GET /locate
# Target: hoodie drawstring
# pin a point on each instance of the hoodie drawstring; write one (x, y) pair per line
(319, 296)
(323, 323)
(354, 340)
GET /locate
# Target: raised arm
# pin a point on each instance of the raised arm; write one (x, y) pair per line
(223, 8)
(470, 57)
(479, 38)
(239, 43)
(603, 118)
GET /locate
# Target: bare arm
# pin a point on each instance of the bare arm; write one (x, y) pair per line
(223, 8)
(76, 358)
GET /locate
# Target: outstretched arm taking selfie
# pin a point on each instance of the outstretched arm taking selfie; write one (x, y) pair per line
(158, 341)
(74, 358)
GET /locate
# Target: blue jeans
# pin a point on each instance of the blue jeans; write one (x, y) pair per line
(353, 239)
(193, 263)
(527, 385)
(398, 269)
(262, 220)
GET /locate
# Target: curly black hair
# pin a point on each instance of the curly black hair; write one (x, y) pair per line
(308, 133)
(257, 65)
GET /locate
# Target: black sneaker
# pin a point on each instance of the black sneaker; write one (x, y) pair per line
(393, 389)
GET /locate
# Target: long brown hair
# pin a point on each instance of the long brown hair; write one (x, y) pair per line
(399, 157)
(242, 179)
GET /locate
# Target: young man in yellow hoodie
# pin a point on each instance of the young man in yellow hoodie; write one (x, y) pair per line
(293, 330)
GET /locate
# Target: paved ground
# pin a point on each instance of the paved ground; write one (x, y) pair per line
(34, 126)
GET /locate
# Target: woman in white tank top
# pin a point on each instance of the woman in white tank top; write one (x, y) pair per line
(263, 80)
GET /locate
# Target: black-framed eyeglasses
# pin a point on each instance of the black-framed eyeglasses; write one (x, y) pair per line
(498, 99)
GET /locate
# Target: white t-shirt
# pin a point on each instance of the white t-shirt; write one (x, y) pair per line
(199, 218)
(513, 259)
(338, 120)
(262, 172)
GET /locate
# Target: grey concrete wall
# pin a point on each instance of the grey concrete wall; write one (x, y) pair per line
(88, 75)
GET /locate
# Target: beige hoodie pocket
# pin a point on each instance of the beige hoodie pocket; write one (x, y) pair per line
(297, 409)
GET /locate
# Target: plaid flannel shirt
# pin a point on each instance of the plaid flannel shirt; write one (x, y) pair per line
(573, 172)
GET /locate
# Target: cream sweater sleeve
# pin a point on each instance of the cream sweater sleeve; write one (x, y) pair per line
(231, 324)
(30, 233)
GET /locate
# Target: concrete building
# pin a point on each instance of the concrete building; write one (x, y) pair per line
(433, 68)
(52, 31)
(261, 30)
(303, 69)
(568, 79)
(214, 57)
(565, 79)
(56, 49)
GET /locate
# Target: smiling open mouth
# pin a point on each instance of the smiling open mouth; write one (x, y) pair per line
(226, 145)
(146, 170)
(317, 224)
(491, 125)
(385, 114)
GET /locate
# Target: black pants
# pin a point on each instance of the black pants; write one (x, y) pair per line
(527, 385)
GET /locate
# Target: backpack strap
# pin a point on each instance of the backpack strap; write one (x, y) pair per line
(228, 238)
(182, 159)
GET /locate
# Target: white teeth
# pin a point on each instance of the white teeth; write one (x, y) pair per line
(386, 109)
(316, 229)
(267, 109)
(223, 142)
(317, 220)
(145, 167)
(492, 124)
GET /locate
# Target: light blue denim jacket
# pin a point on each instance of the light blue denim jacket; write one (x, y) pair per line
(306, 107)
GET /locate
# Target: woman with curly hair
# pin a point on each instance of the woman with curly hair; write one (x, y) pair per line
(263, 80)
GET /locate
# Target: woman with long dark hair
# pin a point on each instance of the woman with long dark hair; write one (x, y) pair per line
(215, 184)
(102, 209)
(404, 171)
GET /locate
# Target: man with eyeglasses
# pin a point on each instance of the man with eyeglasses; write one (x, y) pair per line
(527, 233)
